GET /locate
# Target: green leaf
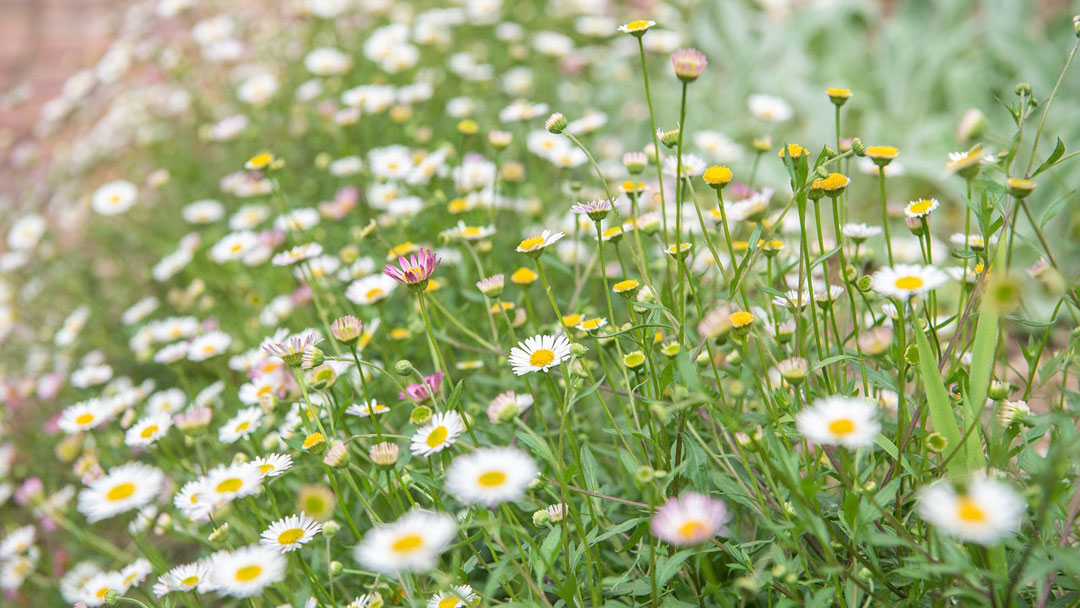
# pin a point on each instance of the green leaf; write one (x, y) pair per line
(821, 259)
(667, 568)
(1059, 151)
(937, 398)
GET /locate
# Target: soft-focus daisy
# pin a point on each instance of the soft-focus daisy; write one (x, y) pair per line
(508, 405)
(298, 253)
(414, 270)
(539, 353)
(241, 426)
(637, 27)
(148, 430)
(769, 108)
(187, 577)
(411, 543)
(114, 198)
(690, 519)
(289, 533)
(205, 211)
(123, 488)
(438, 434)
(987, 511)
(91, 375)
(847, 421)
(246, 571)
(370, 289)
(95, 590)
(364, 410)
(906, 280)
(228, 482)
(489, 476)
(458, 596)
(860, 232)
(83, 416)
(210, 344)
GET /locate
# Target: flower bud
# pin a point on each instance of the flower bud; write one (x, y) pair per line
(420, 415)
(556, 123)
(331, 528)
(404, 367)
(936, 442)
(578, 349)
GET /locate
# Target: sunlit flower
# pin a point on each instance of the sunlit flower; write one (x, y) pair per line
(537, 244)
(414, 270)
(114, 198)
(438, 434)
(539, 353)
(246, 571)
(984, 513)
(412, 543)
(921, 208)
(690, 519)
(489, 476)
(126, 487)
(148, 430)
(906, 280)
(846, 421)
(289, 533)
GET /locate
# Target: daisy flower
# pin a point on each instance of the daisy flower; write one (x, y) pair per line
(234, 246)
(596, 210)
(688, 64)
(411, 543)
(187, 577)
(860, 232)
(489, 476)
(210, 344)
(637, 27)
(298, 253)
(114, 198)
(95, 590)
(690, 519)
(364, 410)
(847, 421)
(148, 430)
(536, 244)
(91, 375)
(289, 533)
(272, 465)
(438, 434)
(83, 416)
(228, 482)
(414, 270)
(921, 208)
(906, 280)
(471, 233)
(135, 572)
(291, 350)
(19, 541)
(458, 596)
(246, 571)
(508, 405)
(370, 289)
(987, 511)
(539, 353)
(241, 426)
(769, 108)
(123, 488)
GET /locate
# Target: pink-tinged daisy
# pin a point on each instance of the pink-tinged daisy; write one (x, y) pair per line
(596, 210)
(291, 350)
(688, 64)
(364, 410)
(420, 392)
(690, 519)
(415, 270)
(297, 254)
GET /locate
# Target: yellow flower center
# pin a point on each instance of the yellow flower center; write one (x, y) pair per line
(248, 573)
(101, 593)
(470, 231)
(407, 543)
(243, 426)
(920, 206)
(523, 276)
(449, 601)
(149, 431)
(290, 536)
(908, 282)
(121, 491)
(627, 285)
(230, 485)
(969, 511)
(437, 436)
(373, 293)
(531, 243)
(541, 357)
(84, 419)
(637, 24)
(265, 468)
(693, 530)
(190, 581)
(841, 426)
(741, 318)
(590, 324)
(491, 479)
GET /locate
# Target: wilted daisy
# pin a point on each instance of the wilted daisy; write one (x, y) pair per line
(114, 197)
(438, 434)
(126, 487)
(148, 430)
(246, 571)
(539, 353)
(906, 280)
(690, 519)
(489, 476)
(412, 543)
(847, 421)
(289, 533)
(985, 512)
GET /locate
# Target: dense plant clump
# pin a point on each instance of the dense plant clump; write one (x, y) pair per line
(373, 303)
